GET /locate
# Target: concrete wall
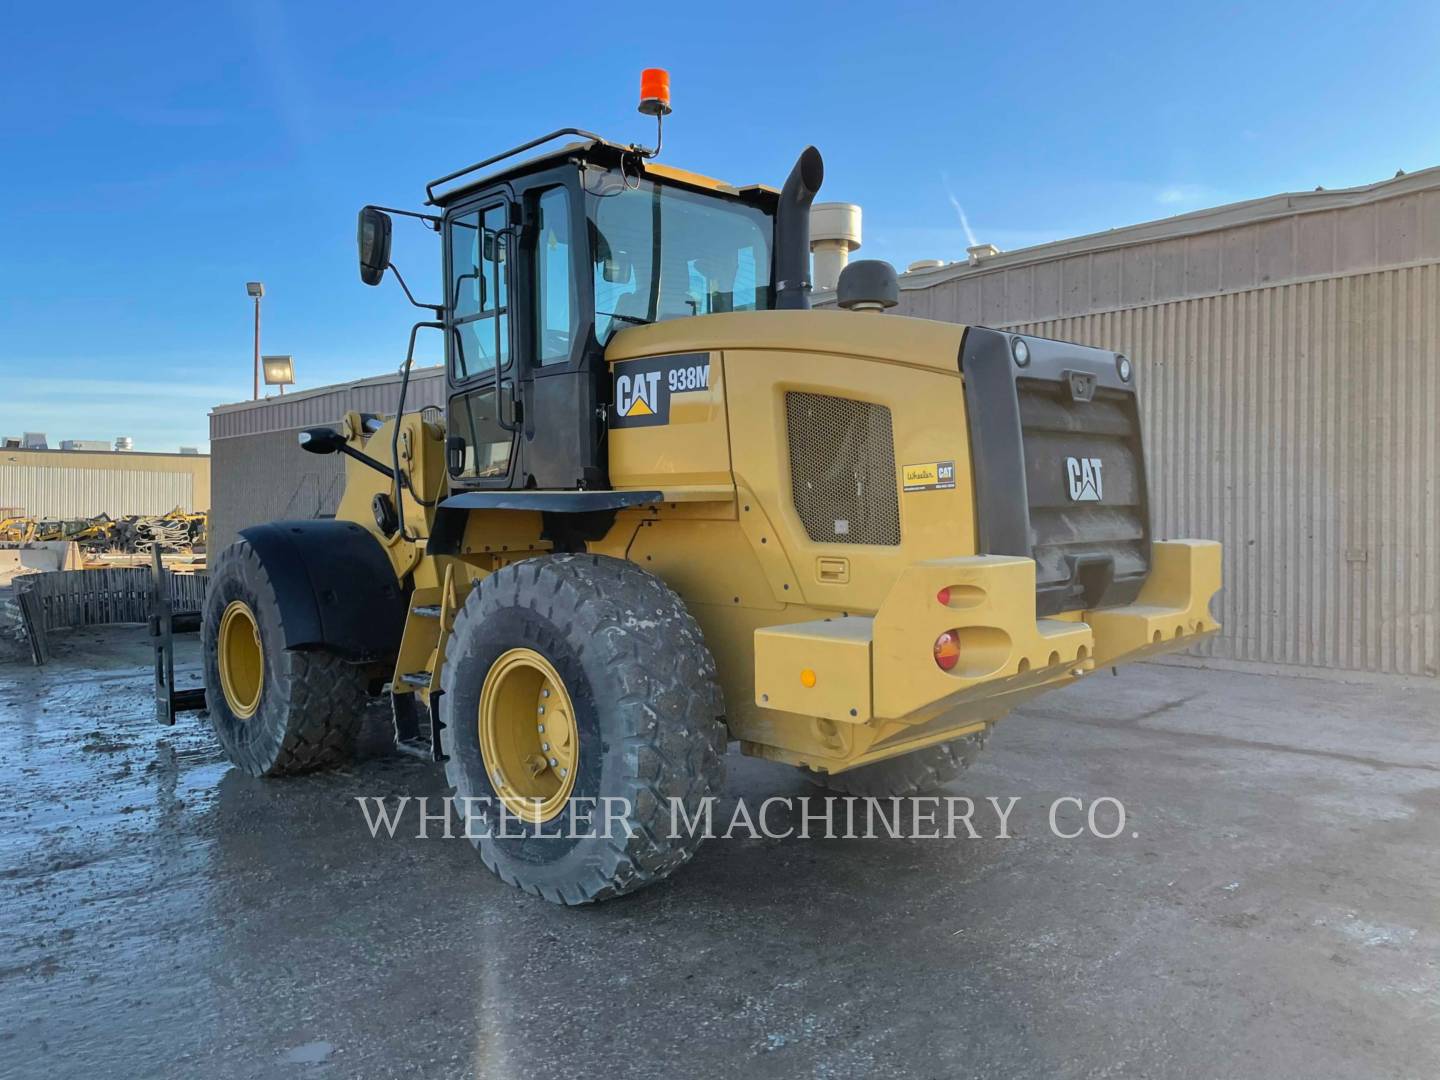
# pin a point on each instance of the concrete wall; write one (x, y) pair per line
(1288, 359)
(80, 483)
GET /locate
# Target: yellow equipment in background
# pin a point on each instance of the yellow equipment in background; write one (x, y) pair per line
(179, 530)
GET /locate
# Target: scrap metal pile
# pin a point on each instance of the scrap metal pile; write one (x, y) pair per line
(176, 531)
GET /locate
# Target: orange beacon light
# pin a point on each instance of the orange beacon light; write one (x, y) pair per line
(655, 92)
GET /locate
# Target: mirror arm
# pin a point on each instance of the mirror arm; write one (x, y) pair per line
(429, 219)
(438, 309)
(366, 459)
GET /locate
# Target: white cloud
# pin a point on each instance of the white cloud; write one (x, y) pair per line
(959, 211)
(1184, 195)
(904, 243)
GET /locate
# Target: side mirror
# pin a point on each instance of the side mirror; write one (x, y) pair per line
(373, 237)
(321, 440)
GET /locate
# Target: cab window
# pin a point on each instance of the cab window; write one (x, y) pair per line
(554, 292)
(661, 252)
(479, 292)
(487, 444)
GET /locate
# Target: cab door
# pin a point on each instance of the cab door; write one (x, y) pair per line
(482, 420)
(563, 364)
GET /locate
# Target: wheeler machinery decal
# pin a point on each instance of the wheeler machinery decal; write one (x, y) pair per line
(929, 476)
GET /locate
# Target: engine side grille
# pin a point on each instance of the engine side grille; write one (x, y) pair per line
(842, 469)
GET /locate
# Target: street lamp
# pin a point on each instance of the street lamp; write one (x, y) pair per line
(257, 290)
(279, 371)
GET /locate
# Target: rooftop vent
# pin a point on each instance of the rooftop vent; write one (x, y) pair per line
(834, 235)
(981, 251)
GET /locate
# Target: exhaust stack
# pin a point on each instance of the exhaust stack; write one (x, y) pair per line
(792, 231)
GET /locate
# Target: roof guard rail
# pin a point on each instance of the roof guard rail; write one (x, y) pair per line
(433, 184)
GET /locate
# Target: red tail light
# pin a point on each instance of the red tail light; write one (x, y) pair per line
(944, 596)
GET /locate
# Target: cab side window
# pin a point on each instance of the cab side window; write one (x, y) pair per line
(554, 292)
(478, 273)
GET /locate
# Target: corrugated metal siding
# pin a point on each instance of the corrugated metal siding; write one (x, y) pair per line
(1300, 424)
(267, 477)
(260, 473)
(327, 405)
(73, 491)
(1392, 225)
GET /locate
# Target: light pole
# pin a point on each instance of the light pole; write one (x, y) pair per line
(257, 290)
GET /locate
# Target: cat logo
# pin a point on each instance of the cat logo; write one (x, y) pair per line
(645, 387)
(1083, 476)
(638, 395)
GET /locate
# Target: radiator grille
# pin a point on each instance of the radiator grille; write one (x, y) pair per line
(842, 469)
(1055, 427)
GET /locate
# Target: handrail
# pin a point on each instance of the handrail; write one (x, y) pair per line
(433, 184)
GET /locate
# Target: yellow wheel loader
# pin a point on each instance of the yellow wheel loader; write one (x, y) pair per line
(669, 507)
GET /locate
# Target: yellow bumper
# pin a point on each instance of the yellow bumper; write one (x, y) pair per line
(880, 671)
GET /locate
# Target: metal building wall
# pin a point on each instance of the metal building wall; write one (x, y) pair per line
(1300, 425)
(260, 473)
(76, 484)
(1288, 358)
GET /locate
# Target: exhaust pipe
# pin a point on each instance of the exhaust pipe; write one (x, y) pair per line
(792, 231)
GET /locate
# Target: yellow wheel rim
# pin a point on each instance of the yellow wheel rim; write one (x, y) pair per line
(242, 662)
(528, 737)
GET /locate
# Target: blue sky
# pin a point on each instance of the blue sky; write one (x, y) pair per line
(158, 157)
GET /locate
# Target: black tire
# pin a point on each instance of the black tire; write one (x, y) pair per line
(647, 711)
(311, 702)
(917, 773)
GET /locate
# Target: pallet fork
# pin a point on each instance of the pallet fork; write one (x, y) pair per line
(165, 623)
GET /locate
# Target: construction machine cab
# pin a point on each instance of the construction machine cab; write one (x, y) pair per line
(547, 259)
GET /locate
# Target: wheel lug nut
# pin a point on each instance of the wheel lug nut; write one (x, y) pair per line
(546, 747)
(564, 772)
(542, 710)
(540, 728)
(544, 693)
(553, 763)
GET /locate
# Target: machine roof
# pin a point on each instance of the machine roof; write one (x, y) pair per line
(588, 148)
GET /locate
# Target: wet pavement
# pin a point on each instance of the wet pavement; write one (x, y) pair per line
(1270, 909)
